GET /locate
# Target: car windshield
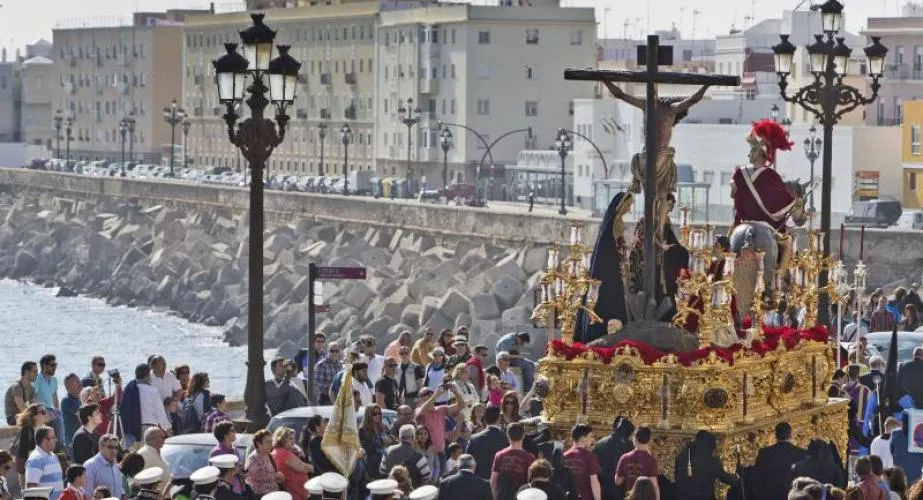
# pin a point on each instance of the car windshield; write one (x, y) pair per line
(297, 423)
(184, 459)
(904, 349)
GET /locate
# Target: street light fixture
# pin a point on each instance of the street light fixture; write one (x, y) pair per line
(130, 123)
(256, 138)
(409, 116)
(123, 132)
(346, 135)
(58, 123)
(68, 126)
(828, 99)
(563, 144)
(812, 151)
(322, 133)
(186, 126)
(174, 115)
(774, 112)
(446, 140)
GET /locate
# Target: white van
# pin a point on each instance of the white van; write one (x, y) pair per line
(910, 219)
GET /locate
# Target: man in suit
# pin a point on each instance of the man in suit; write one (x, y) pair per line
(487, 443)
(910, 377)
(773, 464)
(877, 366)
(465, 484)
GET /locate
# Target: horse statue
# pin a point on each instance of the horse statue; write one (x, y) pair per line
(748, 238)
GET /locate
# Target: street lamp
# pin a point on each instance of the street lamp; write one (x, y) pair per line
(186, 126)
(130, 122)
(322, 133)
(58, 123)
(828, 99)
(346, 135)
(446, 140)
(563, 144)
(174, 115)
(409, 116)
(123, 131)
(812, 147)
(68, 125)
(774, 112)
(256, 138)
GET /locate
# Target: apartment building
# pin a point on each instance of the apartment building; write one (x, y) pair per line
(494, 69)
(10, 97)
(335, 44)
(36, 104)
(903, 80)
(104, 73)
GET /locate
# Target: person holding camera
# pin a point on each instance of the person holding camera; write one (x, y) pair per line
(94, 378)
(433, 417)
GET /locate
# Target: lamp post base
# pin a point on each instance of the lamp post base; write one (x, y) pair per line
(562, 211)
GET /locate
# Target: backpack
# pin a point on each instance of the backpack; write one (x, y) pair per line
(189, 419)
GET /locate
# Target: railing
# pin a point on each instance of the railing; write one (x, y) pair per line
(325, 79)
(897, 71)
(350, 113)
(350, 78)
(301, 113)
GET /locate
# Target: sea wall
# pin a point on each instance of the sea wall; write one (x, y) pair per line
(183, 247)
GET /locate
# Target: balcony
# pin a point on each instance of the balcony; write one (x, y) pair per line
(325, 79)
(350, 113)
(897, 71)
(350, 78)
(325, 114)
(301, 114)
(429, 86)
(197, 111)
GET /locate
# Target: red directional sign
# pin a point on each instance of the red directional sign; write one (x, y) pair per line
(340, 273)
(322, 308)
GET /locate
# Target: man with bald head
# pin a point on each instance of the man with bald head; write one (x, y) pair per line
(910, 377)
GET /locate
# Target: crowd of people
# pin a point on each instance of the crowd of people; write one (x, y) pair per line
(460, 423)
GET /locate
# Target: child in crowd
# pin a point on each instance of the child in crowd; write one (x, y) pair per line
(216, 416)
(451, 465)
(76, 480)
(494, 391)
(101, 493)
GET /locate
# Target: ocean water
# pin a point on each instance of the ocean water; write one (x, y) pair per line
(34, 322)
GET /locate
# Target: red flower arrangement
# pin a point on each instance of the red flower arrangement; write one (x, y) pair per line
(772, 337)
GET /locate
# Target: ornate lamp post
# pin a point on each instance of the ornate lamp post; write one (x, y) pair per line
(346, 135)
(174, 115)
(563, 144)
(256, 138)
(68, 125)
(58, 123)
(322, 133)
(828, 98)
(123, 131)
(409, 116)
(186, 126)
(130, 123)
(445, 138)
(812, 147)
(774, 112)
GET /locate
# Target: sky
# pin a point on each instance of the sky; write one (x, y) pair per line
(25, 21)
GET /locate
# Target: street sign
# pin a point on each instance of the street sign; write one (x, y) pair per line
(340, 273)
(322, 308)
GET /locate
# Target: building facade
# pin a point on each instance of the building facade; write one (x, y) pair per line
(10, 97)
(912, 175)
(36, 104)
(104, 74)
(335, 44)
(497, 70)
(903, 81)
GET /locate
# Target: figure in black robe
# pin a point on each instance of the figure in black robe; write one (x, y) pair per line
(606, 266)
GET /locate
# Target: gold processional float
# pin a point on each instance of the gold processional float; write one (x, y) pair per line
(738, 393)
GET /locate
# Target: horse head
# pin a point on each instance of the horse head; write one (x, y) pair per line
(800, 192)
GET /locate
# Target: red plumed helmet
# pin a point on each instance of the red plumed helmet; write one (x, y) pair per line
(770, 137)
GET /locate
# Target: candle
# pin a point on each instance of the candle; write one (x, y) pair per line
(842, 232)
(862, 243)
(573, 235)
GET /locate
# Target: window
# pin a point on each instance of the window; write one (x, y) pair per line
(530, 73)
(915, 140)
(913, 182)
(435, 37)
(483, 71)
(431, 107)
(531, 108)
(484, 37)
(576, 37)
(532, 36)
(708, 177)
(453, 106)
(453, 71)
(726, 178)
(453, 36)
(483, 106)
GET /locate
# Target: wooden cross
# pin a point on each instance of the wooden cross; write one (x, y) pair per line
(651, 55)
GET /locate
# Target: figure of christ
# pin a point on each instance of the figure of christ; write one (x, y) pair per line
(668, 112)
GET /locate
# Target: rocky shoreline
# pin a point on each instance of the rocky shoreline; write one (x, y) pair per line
(194, 263)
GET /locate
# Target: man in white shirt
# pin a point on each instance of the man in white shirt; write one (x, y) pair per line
(153, 413)
(43, 469)
(162, 379)
(507, 377)
(153, 442)
(376, 362)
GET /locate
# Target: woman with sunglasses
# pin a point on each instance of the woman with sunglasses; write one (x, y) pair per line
(31, 418)
(511, 407)
(374, 437)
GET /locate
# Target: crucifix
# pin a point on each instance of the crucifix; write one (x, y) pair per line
(658, 172)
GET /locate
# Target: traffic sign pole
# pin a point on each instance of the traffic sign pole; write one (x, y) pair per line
(312, 319)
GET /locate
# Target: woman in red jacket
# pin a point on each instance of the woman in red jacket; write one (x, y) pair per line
(76, 480)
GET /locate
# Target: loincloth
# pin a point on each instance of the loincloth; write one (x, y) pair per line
(665, 170)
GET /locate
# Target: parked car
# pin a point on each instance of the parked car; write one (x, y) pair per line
(879, 343)
(187, 453)
(910, 220)
(296, 418)
(874, 213)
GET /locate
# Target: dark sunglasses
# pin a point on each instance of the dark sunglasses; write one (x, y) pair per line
(334, 351)
(103, 365)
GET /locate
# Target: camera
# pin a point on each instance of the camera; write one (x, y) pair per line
(114, 373)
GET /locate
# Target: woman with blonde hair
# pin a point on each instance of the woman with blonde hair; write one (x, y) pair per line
(30, 419)
(295, 472)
